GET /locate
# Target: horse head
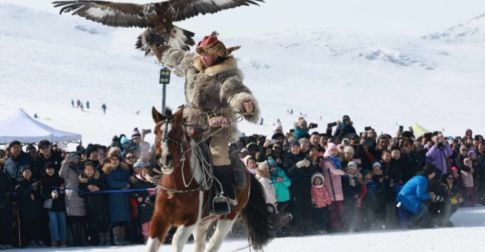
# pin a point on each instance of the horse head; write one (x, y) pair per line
(171, 140)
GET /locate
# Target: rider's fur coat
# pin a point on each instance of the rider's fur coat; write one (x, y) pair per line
(213, 90)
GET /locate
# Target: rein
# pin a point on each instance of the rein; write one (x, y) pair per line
(205, 166)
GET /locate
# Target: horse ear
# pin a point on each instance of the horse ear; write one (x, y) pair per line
(157, 116)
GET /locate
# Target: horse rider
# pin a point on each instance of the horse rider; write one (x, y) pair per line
(215, 97)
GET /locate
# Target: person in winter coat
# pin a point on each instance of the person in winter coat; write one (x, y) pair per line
(300, 170)
(91, 182)
(332, 170)
(17, 162)
(144, 205)
(216, 95)
(75, 205)
(281, 184)
(52, 191)
(438, 154)
(352, 187)
(320, 201)
(30, 209)
(6, 191)
(467, 182)
(345, 128)
(414, 195)
(375, 201)
(451, 201)
(117, 177)
(263, 177)
(480, 169)
(47, 154)
(301, 129)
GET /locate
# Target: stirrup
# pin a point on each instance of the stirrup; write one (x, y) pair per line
(220, 205)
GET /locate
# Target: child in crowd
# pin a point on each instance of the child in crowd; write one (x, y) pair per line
(91, 182)
(332, 170)
(250, 163)
(467, 182)
(320, 201)
(30, 209)
(351, 185)
(281, 184)
(52, 190)
(144, 206)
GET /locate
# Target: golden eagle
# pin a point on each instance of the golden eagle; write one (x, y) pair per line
(157, 17)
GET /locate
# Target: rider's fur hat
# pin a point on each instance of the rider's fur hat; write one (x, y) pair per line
(211, 45)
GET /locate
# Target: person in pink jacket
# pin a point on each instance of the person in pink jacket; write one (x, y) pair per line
(321, 201)
(331, 169)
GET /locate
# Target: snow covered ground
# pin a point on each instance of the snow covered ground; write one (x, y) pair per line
(466, 236)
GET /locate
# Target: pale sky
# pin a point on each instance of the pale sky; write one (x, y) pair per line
(406, 17)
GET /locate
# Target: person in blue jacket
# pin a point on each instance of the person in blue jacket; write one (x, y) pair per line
(414, 195)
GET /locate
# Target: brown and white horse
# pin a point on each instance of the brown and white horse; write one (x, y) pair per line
(181, 199)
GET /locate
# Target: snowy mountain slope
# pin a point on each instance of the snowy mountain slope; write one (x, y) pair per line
(471, 31)
(47, 59)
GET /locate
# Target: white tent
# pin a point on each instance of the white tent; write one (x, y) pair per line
(25, 129)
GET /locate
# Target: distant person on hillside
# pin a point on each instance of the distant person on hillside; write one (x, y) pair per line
(103, 107)
(78, 103)
(87, 104)
(72, 103)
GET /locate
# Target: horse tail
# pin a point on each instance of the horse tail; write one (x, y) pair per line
(257, 216)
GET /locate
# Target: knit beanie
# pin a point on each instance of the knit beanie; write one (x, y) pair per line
(135, 133)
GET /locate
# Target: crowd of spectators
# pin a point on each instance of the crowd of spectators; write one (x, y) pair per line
(333, 181)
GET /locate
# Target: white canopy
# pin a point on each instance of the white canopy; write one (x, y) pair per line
(25, 129)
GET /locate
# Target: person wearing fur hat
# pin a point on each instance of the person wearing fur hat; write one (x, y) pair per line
(75, 204)
(215, 96)
(263, 176)
(321, 201)
(117, 176)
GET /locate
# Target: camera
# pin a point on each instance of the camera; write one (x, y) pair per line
(146, 131)
(312, 125)
(332, 124)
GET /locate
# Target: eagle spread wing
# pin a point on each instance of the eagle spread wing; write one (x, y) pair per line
(184, 9)
(109, 13)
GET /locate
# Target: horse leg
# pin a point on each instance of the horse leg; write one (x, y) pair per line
(200, 234)
(180, 237)
(222, 229)
(158, 231)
